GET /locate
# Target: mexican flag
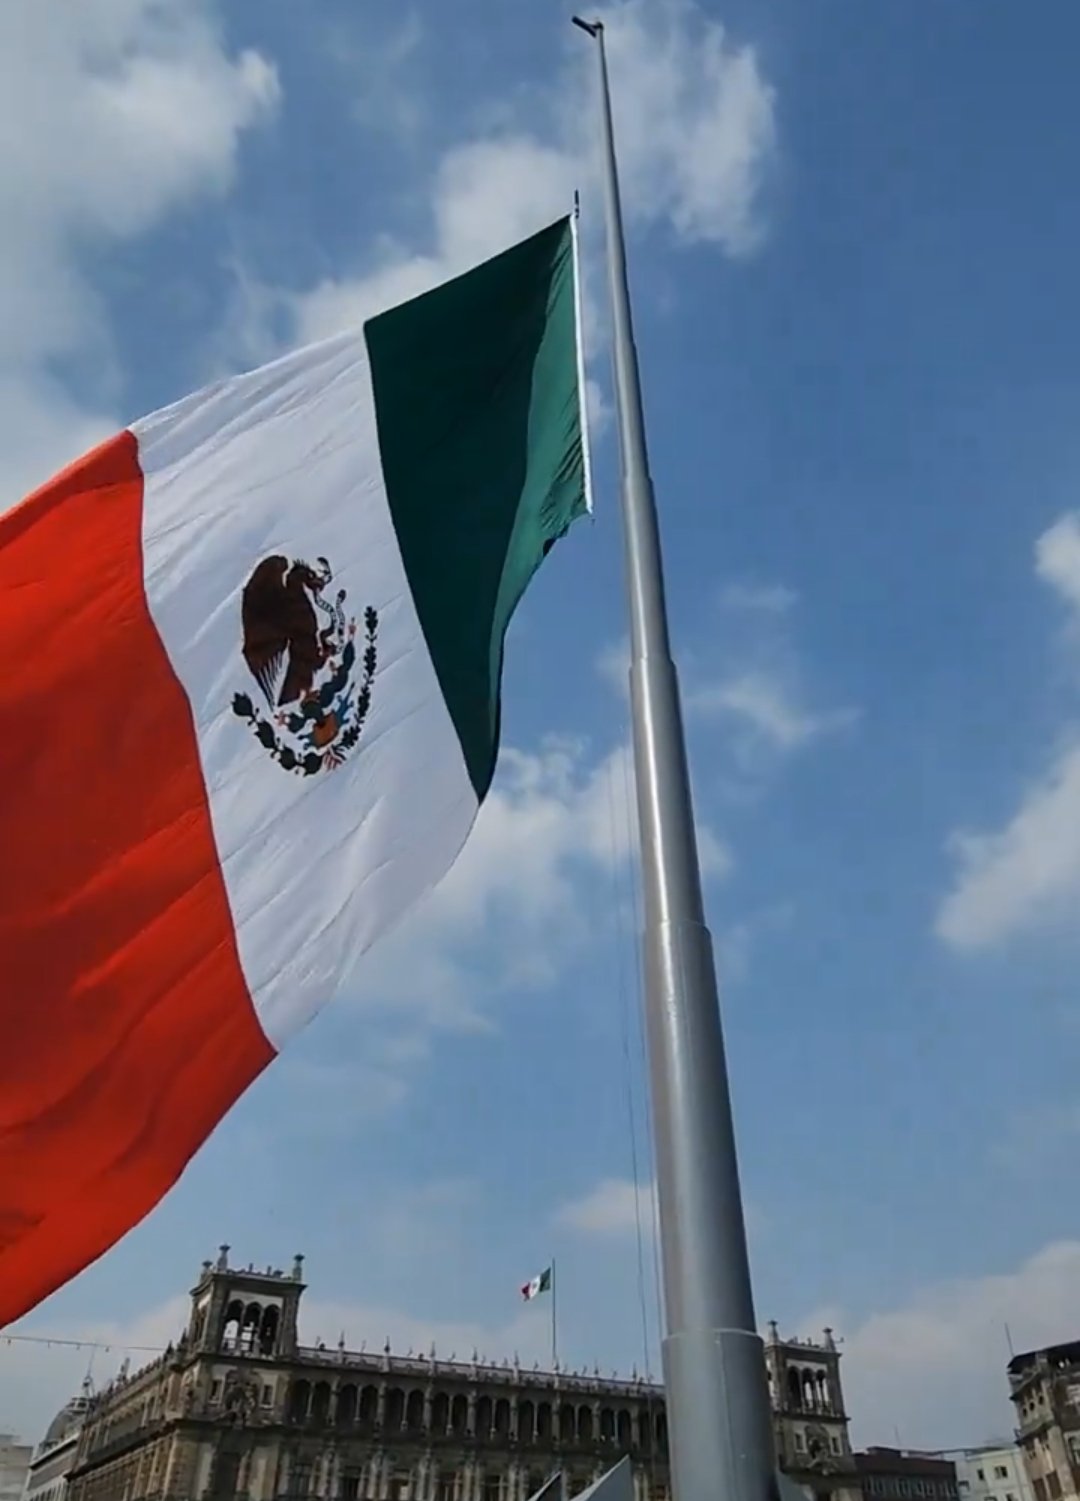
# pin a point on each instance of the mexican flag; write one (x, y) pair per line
(539, 1284)
(249, 707)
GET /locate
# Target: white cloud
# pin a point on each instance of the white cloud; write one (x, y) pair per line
(695, 121)
(1057, 558)
(387, 96)
(114, 112)
(696, 131)
(614, 1207)
(752, 689)
(1027, 874)
(551, 817)
(935, 1368)
(769, 708)
(773, 599)
(36, 1379)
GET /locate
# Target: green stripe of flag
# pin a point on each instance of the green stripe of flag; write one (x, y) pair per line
(479, 413)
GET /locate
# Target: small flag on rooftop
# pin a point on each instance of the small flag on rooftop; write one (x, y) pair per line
(539, 1284)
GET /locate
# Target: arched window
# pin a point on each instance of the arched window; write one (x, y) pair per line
(268, 1331)
(440, 1413)
(607, 1425)
(369, 1404)
(526, 1423)
(584, 1424)
(459, 1414)
(794, 1388)
(502, 1417)
(395, 1409)
(299, 1401)
(567, 1423)
(482, 1418)
(346, 1405)
(414, 1411)
(230, 1332)
(543, 1420)
(320, 1402)
(249, 1329)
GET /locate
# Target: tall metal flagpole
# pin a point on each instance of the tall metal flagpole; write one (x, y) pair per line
(554, 1322)
(719, 1416)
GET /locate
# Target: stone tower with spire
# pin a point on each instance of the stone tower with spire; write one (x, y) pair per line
(808, 1411)
(244, 1311)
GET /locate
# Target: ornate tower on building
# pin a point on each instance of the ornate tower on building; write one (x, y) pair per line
(808, 1407)
(241, 1311)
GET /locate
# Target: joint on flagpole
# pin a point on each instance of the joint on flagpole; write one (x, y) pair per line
(594, 28)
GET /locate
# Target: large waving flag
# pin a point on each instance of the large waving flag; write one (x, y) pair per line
(249, 706)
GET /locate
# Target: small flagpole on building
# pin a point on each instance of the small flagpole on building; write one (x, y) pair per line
(719, 1415)
(554, 1322)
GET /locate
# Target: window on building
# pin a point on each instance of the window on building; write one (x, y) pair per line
(964, 1486)
(300, 1484)
(1009, 1496)
(981, 1474)
(446, 1487)
(215, 1391)
(350, 1485)
(1000, 1472)
(267, 1395)
(492, 1488)
(399, 1487)
(798, 1443)
(904, 1488)
(1053, 1485)
(835, 1444)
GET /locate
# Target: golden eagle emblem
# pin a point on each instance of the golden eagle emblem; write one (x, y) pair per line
(301, 649)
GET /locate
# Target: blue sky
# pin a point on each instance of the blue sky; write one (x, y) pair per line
(853, 246)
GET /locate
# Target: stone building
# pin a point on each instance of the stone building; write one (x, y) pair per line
(46, 1477)
(1045, 1389)
(991, 1472)
(902, 1475)
(14, 1463)
(239, 1408)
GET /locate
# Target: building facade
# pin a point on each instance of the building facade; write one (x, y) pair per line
(46, 1476)
(14, 1463)
(240, 1409)
(1045, 1389)
(902, 1475)
(993, 1472)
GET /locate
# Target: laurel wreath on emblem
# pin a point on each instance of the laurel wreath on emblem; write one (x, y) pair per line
(317, 711)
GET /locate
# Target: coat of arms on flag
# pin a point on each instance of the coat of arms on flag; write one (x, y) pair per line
(295, 663)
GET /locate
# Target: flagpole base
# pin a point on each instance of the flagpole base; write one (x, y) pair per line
(728, 1448)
